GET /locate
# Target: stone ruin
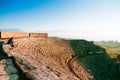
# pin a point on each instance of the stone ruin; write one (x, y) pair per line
(43, 58)
(38, 35)
(7, 35)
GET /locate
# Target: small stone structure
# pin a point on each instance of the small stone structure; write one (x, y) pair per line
(4, 35)
(13, 34)
(38, 35)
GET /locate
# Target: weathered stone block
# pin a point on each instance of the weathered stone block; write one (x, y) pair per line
(13, 34)
(38, 35)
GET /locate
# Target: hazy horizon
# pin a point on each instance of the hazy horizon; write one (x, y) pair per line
(81, 19)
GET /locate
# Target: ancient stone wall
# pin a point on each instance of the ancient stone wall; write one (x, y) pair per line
(38, 35)
(13, 34)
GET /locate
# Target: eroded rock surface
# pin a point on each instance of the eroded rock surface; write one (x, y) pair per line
(3, 74)
(44, 59)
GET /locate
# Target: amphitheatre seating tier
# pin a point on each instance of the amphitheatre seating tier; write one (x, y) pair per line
(52, 48)
(49, 56)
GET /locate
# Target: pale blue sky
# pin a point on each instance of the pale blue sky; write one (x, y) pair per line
(87, 19)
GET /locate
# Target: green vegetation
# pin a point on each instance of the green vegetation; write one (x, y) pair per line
(108, 44)
(112, 47)
(101, 66)
(2, 56)
(83, 47)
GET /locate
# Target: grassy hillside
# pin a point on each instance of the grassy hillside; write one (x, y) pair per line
(101, 66)
(84, 47)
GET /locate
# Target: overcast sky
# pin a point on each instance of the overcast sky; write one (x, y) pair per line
(83, 19)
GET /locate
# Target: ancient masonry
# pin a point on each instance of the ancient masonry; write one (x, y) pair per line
(36, 35)
(22, 35)
(42, 58)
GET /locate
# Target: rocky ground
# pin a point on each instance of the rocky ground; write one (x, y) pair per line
(3, 74)
(45, 59)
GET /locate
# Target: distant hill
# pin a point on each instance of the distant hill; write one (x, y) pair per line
(11, 29)
(108, 44)
(112, 47)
